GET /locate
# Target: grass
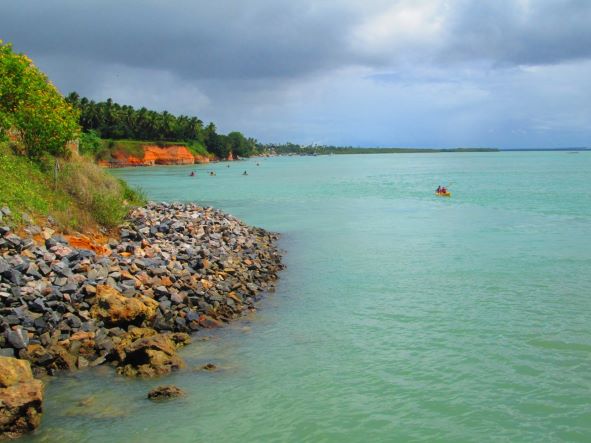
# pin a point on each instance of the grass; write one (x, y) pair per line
(80, 196)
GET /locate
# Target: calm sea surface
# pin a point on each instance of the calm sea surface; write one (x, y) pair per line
(400, 317)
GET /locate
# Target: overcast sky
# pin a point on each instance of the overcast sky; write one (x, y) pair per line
(422, 73)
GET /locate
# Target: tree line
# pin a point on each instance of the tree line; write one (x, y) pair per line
(110, 120)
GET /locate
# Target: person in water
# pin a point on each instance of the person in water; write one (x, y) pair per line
(192, 174)
(245, 173)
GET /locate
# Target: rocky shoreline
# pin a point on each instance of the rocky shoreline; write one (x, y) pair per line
(176, 268)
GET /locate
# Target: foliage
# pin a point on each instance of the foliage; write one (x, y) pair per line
(125, 124)
(90, 143)
(240, 145)
(198, 148)
(24, 187)
(114, 121)
(31, 108)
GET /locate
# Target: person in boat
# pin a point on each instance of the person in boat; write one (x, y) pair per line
(443, 190)
(438, 189)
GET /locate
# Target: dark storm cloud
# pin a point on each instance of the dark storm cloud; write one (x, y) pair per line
(382, 72)
(228, 39)
(280, 38)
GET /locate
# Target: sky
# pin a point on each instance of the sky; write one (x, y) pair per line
(397, 73)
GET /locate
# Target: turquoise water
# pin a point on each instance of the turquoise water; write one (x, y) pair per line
(400, 317)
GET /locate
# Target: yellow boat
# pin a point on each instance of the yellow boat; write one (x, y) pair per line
(443, 194)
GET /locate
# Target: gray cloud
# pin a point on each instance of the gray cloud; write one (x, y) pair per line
(381, 72)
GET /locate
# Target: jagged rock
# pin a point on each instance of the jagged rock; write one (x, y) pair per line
(152, 355)
(21, 398)
(115, 309)
(178, 268)
(18, 338)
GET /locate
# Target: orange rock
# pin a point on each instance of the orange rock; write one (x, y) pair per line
(156, 155)
(21, 398)
(201, 159)
(151, 354)
(83, 242)
(115, 309)
(165, 281)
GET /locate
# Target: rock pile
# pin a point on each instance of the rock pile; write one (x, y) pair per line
(175, 269)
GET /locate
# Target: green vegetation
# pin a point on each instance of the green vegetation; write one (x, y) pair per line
(112, 121)
(39, 175)
(32, 109)
(79, 196)
(25, 188)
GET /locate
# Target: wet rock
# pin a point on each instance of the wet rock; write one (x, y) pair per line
(21, 398)
(208, 322)
(150, 356)
(165, 393)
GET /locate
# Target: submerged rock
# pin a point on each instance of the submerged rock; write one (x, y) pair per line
(165, 393)
(151, 355)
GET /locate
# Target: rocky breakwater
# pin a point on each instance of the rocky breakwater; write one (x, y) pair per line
(176, 268)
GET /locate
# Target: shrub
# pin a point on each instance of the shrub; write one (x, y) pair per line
(32, 109)
(106, 198)
(90, 143)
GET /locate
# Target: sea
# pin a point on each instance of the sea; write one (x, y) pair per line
(401, 316)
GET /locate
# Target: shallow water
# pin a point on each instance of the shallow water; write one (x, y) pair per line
(401, 316)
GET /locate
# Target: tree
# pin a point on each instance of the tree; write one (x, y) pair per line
(239, 144)
(32, 108)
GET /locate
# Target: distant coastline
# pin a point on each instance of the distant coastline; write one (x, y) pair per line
(295, 149)
(573, 149)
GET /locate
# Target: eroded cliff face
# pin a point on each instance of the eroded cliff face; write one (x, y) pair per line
(155, 155)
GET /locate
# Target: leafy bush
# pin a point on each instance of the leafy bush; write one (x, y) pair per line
(90, 143)
(32, 110)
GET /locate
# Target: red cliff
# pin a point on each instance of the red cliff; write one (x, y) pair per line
(155, 155)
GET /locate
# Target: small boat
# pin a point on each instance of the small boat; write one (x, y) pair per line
(443, 194)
